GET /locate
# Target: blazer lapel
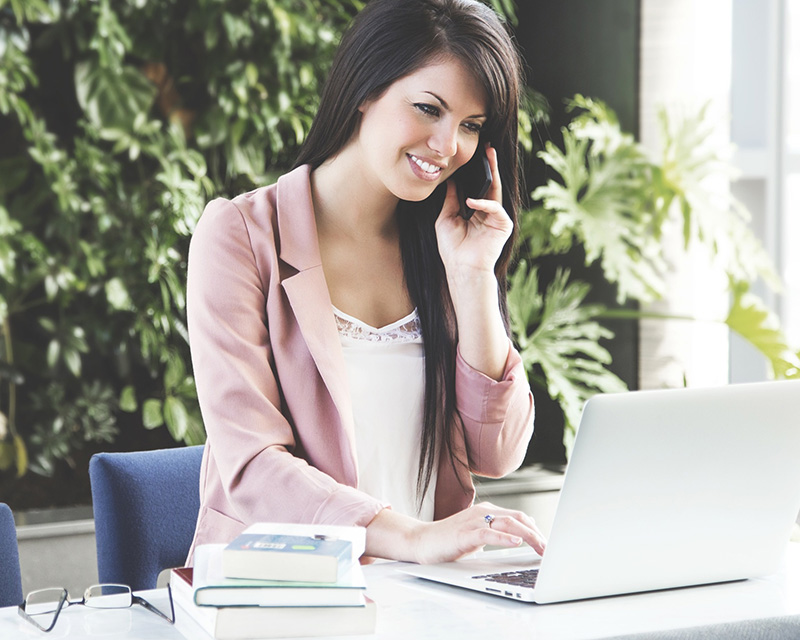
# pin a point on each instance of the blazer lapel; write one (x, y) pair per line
(309, 297)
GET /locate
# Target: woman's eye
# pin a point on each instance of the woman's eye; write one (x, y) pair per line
(427, 109)
(473, 127)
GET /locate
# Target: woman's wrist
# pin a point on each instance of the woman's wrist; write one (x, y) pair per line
(470, 278)
(394, 536)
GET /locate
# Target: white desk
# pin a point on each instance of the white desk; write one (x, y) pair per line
(412, 608)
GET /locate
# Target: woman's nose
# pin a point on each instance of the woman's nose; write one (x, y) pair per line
(444, 141)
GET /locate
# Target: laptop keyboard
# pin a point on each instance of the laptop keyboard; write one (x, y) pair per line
(524, 578)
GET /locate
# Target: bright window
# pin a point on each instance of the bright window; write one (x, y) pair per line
(790, 215)
(765, 128)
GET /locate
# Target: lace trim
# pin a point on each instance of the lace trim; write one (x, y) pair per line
(404, 330)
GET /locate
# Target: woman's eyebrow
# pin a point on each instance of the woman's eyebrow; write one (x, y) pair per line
(447, 106)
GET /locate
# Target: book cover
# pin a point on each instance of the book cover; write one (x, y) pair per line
(212, 588)
(250, 623)
(356, 535)
(274, 556)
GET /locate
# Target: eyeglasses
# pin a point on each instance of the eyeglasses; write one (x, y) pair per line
(42, 607)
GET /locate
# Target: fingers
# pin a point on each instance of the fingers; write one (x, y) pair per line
(496, 189)
(520, 530)
(495, 537)
(513, 526)
(490, 208)
(490, 215)
(469, 531)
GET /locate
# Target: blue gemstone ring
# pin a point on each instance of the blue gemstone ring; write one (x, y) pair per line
(488, 519)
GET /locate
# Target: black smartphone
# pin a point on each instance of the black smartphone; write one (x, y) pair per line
(474, 179)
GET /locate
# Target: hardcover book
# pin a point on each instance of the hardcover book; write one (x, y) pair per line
(250, 623)
(295, 558)
(212, 588)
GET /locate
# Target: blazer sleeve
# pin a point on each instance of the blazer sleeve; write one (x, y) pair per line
(497, 416)
(252, 473)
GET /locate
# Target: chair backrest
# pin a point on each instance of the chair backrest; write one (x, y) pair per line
(10, 578)
(145, 510)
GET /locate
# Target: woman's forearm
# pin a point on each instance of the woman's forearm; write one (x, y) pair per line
(482, 338)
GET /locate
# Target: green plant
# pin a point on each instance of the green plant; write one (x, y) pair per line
(612, 200)
(119, 120)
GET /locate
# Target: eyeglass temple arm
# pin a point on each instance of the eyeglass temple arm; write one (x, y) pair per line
(57, 611)
(35, 623)
(150, 607)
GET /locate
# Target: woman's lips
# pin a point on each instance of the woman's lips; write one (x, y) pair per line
(423, 169)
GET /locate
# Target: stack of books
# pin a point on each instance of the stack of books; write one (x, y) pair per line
(275, 581)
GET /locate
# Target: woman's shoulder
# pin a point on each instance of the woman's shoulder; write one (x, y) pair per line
(258, 207)
(259, 202)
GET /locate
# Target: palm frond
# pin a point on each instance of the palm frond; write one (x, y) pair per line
(751, 319)
(605, 201)
(693, 163)
(557, 332)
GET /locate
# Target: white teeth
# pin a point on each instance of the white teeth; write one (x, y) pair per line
(426, 167)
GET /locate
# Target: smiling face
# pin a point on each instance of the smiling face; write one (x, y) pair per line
(421, 129)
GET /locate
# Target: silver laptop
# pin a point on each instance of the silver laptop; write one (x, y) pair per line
(663, 489)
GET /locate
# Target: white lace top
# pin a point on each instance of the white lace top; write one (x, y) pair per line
(386, 372)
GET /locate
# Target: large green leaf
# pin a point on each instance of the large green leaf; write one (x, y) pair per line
(176, 417)
(557, 332)
(127, 399)
(751, 319)
(694, 167)
(195, 432)
(604, 200)
(112, 98)
(152, 414)
(13, 453)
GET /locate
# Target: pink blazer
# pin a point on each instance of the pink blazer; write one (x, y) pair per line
(272, 386)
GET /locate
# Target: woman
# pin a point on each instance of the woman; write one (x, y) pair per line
(348, 326)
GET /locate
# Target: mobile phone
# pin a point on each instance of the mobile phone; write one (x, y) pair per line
(474, 179)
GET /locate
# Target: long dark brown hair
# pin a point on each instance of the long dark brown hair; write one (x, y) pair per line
(388, 40)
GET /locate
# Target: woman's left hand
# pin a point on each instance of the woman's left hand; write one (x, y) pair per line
(474, 244)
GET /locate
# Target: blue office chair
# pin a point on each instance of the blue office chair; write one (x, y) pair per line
(145, 510)
(10, 578)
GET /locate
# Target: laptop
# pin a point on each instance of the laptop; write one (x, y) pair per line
(664, 489)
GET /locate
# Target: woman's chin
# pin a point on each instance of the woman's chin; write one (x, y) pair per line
(435, 197)
(418, 194)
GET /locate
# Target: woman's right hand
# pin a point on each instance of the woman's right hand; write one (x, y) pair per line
(452, 538)
(469, 531)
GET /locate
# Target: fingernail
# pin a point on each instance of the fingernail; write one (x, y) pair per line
(517, 541)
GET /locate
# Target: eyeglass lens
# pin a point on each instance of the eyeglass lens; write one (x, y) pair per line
(108, 596)
(42, 607)
(44, 601)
